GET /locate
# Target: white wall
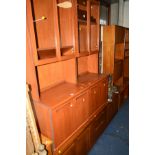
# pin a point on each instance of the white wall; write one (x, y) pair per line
(115, 14)
(126, 14)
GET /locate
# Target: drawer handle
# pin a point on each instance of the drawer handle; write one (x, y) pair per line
(71, 105)
(59, 152)
(83, 99)
(94, 92)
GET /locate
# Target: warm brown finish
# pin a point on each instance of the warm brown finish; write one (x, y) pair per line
(71, 109)
(116, 56)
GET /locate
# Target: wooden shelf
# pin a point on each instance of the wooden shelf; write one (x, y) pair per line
(94, 51)
(82, 7)
(83, 22)
(66, 50)
(45, 53)
(89, 78)
(83, 53)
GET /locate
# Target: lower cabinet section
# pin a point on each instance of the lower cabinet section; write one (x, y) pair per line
(97, 126)
(112, 107)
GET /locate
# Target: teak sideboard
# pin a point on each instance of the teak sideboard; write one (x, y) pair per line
(69, 94)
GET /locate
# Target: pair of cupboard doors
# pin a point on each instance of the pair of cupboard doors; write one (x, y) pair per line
(75, 113)
(84, 142)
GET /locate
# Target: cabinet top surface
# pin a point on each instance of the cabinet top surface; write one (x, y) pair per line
(65, 91)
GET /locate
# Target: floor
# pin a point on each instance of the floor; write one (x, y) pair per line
(115, 139)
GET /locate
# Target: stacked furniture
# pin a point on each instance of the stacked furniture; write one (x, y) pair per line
(116, 58)
(69, 95)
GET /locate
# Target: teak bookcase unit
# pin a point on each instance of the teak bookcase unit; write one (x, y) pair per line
(69, 96)
(116, 57)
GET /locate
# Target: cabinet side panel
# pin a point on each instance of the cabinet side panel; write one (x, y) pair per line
(43, 115)
(30, 70)
(108, 59)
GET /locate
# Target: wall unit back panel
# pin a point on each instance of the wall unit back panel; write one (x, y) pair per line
(65, 25)
(50, 74)
(55, 73)
(82, 65)
(83, 42)
(44, 28)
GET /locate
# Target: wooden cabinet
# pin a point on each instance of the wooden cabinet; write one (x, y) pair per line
(81, 109)
(112, 107)
(63, 122)
(98, 125)
(94, 95)
(116, 57)
(62, 52)
(82, 143)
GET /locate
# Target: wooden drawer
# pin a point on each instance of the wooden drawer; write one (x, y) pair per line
(103, 92)
(81, 109)
(94, 99)
(98, 126)
(82, 14)
(82, 143)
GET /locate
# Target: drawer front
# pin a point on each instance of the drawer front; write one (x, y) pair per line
(98, 126)
(63, 122)
(94, 99)
(81, 107)
(103, 92)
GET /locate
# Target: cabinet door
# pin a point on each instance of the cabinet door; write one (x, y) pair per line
(63, 122)
(81, 109)
(94, 96)
(103, 92)
(98, 126)
(82, 143)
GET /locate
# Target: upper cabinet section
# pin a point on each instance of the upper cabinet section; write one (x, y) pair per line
(42, 25)
(62, 29)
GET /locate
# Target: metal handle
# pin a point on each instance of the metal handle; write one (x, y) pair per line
(83, 99)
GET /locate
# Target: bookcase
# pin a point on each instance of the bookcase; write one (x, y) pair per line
(116, 58)
(69, 94)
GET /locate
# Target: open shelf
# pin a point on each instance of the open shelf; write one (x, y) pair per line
(45, 53)
(66, 50)
(82, 7)
(89, 78)
(83, 22)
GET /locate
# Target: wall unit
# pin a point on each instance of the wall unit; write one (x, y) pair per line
(69, 95)
(116, 58)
